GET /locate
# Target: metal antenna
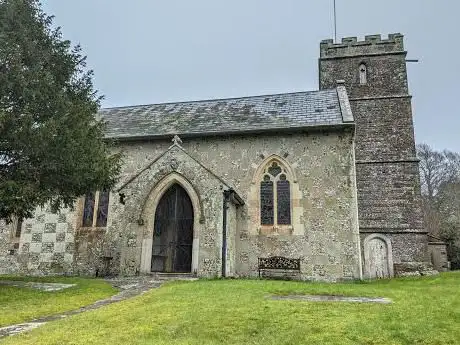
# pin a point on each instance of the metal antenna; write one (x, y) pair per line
(335, 24)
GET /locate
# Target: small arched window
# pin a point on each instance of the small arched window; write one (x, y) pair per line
(275, 196)
(362, 74)
(95, 209)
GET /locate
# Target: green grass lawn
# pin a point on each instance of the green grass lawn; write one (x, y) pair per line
(24, 304)
(425, 311)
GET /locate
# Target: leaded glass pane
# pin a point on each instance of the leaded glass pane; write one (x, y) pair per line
(274, 170)
(266, 202)
(284, 201)
(88, 210)
(103, 209)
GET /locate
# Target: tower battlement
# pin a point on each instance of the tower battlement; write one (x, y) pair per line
(372, 45)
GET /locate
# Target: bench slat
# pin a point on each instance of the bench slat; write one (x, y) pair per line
(279, 263)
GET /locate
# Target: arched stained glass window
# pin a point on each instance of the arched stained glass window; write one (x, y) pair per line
(275, 203)
(95, 209)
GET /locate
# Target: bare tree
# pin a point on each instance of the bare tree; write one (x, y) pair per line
(440, 182)
(436, 168)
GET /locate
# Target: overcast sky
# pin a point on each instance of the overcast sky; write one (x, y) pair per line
(152, 51)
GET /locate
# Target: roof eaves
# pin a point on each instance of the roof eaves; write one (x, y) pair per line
(309, 128)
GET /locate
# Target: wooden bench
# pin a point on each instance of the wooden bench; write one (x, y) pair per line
(279, 263)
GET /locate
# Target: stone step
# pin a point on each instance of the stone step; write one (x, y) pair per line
(161, 276)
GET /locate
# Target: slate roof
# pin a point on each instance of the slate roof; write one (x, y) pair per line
(235, 115)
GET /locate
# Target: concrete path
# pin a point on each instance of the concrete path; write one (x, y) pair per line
(129, 287)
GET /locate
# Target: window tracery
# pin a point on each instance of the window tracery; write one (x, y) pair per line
(275, 203)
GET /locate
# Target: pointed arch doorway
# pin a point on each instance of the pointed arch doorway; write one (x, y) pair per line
(173, 232)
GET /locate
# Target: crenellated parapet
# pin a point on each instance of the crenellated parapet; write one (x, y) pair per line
(372, 44)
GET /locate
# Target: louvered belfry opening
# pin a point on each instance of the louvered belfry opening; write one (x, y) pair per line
(173, 232)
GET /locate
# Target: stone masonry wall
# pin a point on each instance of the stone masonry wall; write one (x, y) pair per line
(322, 162)
(326, 237)
(386, 74)
(46, 245)
(136, 237)
(325, 174)
(8, 259)
(384, 129)
(383, 199)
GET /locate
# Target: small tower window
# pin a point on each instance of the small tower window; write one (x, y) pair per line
(362, 74)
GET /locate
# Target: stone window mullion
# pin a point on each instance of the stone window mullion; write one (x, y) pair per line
(96, 208)
(275, 202)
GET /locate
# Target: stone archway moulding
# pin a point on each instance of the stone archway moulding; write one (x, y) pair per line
(266, 161)
(387, 242)
(148, 215)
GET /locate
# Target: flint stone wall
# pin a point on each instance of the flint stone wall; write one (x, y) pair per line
(8, 261)
(325, 237)
(46, 245)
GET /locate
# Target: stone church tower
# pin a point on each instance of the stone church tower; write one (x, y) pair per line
(374, 73)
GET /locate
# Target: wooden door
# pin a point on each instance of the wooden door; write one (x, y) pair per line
(378, 259)
(173, 232)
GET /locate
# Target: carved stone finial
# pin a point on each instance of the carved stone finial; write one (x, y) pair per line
(176, 140)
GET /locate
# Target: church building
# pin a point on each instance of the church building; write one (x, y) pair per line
(208, 188)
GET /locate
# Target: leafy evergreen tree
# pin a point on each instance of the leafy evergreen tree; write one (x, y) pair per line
(52, 148)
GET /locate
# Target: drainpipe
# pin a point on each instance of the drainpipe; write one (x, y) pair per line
(226, 195)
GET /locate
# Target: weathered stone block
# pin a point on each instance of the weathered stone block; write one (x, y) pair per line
(60, 237)
(69, 248)
(49, 237)
(59, 247)
(50, 228)
(36, 238)
(47, 247)
(25, 248)
(28, 228)
(35, 247)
